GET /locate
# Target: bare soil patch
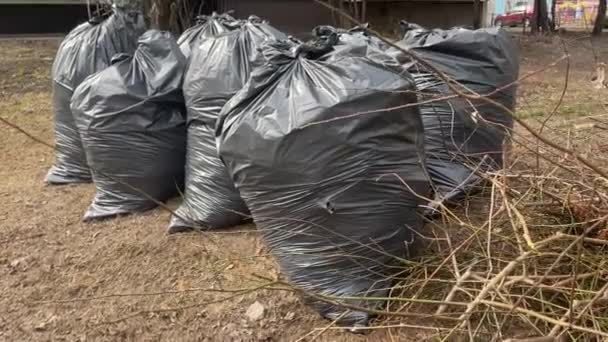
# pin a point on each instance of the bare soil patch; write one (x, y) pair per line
(121, 279)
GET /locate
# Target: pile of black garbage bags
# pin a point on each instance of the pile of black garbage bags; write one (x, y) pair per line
(333, 147)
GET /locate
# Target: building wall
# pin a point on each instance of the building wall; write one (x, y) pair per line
(43, 2)
(500, 7)
(29, 19)
(299, 17)
(385, 16)
(296, 17)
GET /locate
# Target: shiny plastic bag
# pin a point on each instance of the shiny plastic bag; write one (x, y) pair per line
(206, 26)
(86, 50)
(327, 154)
(132, 120)
(219, 68)
(463, 137)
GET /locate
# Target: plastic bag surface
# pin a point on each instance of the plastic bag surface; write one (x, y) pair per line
(463, 136)
(87, 49)
(326, 152)
(132, 120)
(218, 69)
(206, 26)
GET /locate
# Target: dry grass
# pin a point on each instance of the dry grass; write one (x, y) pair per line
(514, 262)
(528, 256)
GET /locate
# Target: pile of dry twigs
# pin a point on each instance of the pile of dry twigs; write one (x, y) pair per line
(526, 258)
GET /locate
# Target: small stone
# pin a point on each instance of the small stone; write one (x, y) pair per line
(40, 327)
(290, 316)
(17, 262)
(256, 312)
(231, 327)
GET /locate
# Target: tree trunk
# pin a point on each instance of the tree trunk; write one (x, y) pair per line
(163, 15)
(599, 20)
(364, 11)
(171, 15)
(342, 22)
(540, 20)
(476, 14)
(335, 16)
(553, 22)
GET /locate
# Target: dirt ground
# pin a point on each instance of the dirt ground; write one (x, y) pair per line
(55, 268)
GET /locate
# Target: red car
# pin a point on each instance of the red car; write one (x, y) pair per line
(519, 14)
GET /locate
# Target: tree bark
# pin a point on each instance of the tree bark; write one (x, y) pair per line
(540, 20)
(356, 10)
(598, 27)
(476, 14)
(334, 15)
(341, 20)
(553, 21)
(364, 11)
(171, 15)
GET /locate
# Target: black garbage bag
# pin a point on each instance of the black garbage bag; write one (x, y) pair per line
(463, 137)
(357, 40)
(218, 70)
(132, 120)
(358, 35)
(327, 155)
(86, 50)
(206, 26)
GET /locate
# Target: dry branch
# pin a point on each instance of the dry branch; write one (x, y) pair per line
(530, 256)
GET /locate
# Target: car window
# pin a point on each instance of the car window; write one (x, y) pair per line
(519, 6)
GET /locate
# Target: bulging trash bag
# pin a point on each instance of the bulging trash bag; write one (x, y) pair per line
(132, 120)
(356, 39)
(86, 50)
(206, 26)
(328, 155)
(219, 68)
(358, 36)
(463, 137)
